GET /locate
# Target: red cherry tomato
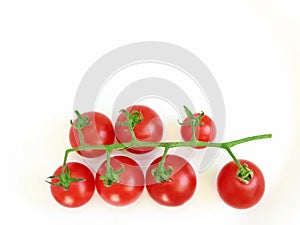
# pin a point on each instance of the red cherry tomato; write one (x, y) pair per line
(150, 129)
(79, 192)
(236, 193)
(205, 132)
(180, 187)
(131, 184)
(99, 132)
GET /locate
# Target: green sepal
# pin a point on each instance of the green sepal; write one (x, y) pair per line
(112, 176)
(188, 112)
(161, 174)
(194, 121)
(82, 121)
(245, 174)
(65, 179)
(133, 118)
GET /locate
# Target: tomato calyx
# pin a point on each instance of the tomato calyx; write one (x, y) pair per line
(82, 121)
(160, 173)
(64, 178)
(132, 119)
(111, 176)
(244, 174)
(194, 121)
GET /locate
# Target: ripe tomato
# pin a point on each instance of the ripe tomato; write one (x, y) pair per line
(99, 132)
(130, 186)
(205, 132)
(236, 193)
(180, 187)
(79, 192)
(150, 129)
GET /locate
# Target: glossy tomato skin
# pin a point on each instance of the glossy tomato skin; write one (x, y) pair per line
(236, 193)
(150, 129)
(205, 132)
(79, 193)
(181, 186)
(99, 132)
(131, 184)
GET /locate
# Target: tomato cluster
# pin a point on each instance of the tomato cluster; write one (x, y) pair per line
(170, 180)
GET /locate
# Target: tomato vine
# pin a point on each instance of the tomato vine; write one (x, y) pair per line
(160, 172)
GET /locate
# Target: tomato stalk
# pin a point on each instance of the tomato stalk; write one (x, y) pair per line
(118, 146)
(244, 173)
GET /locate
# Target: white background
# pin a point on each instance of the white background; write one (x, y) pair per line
(251, 47)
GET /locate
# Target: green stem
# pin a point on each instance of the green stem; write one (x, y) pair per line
(175, 144)
(111, 175)
(247, 139)
(132, 134)
(81, 139)
(227, 148)
(163, 158)
(67, 152)
(194, 125)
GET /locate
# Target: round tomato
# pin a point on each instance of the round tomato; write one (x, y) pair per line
(236, 193)
(130, 185)
(79, 192)
(205, 132)
(100, 131)
(179, 188)
(150, 129)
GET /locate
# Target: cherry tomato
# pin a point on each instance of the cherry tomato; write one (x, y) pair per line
(150, 129)
(130, 186)
(180, 187)
(205, 132)
(79, 192)
(99, 132)
(236, 193)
